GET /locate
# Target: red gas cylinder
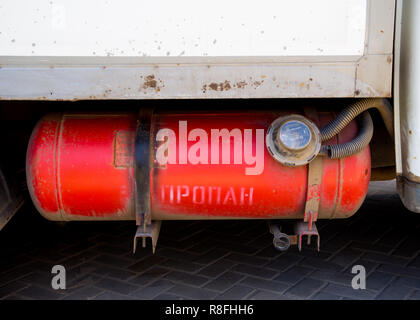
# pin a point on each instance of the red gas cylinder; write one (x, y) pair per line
(203, 166)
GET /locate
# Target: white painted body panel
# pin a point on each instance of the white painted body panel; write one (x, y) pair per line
(188, 28)
(407, 102)
(279, 48)
(407, 93)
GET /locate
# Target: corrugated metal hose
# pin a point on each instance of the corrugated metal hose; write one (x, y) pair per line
(365, 127)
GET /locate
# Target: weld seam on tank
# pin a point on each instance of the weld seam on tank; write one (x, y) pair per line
(353, 110)
(57, 166)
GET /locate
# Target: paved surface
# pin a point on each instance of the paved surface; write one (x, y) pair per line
(222, 260)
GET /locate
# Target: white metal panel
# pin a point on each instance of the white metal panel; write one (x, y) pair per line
(396, 91)
(380, 28)
(407, 103)
(182, 28)
(169, 82)
(407, 93)
(324, 48)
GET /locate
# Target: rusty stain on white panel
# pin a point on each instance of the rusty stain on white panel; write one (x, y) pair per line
(168, 28)
(290, 49)
(169, 82)
(371, 68)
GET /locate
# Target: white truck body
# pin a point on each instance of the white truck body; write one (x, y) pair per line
(220, 49)
(90, 50)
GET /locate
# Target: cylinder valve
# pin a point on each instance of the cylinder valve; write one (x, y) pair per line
(293, 140)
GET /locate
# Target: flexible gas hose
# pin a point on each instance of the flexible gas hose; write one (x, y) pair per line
(365, 127)
(337, 151)
(353, 110)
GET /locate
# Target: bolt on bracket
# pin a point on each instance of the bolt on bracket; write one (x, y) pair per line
(283, 241)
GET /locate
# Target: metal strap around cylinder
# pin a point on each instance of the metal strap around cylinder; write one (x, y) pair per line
(313, 192)
(142, 166)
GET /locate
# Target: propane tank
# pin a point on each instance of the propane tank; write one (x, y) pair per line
(229, 165)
